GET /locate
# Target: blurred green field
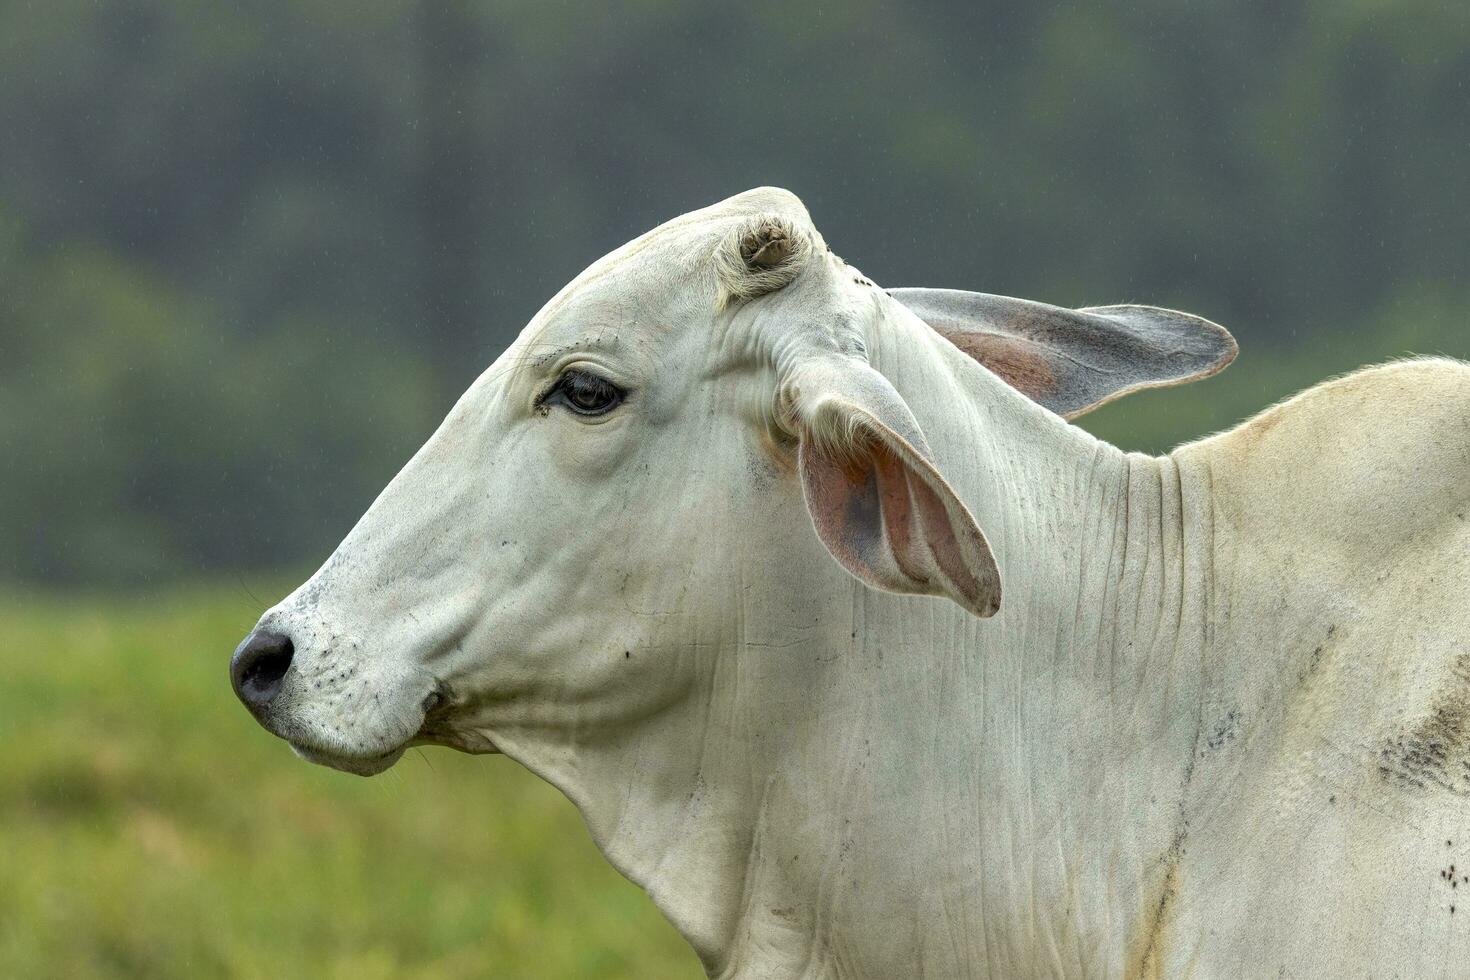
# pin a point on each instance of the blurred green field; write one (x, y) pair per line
(151, 829)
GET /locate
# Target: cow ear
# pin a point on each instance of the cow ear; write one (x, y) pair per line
(1073, 361)
(877, 502)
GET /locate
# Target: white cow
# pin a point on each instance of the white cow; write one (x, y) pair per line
(673, 552)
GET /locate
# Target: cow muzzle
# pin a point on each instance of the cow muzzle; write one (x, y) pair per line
(313, 684)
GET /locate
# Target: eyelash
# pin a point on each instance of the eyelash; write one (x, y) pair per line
(573, 385)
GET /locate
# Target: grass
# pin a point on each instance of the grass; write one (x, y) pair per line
(149, 828)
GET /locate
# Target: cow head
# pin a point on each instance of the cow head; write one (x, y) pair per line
(687, 450)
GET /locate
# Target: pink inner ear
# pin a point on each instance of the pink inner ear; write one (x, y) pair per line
(883, 521)
(1020, 363)
(944, 542)
(898, 512)
(846, 507)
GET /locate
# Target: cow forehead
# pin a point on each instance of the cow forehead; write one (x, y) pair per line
(619, 307)
(664, 276)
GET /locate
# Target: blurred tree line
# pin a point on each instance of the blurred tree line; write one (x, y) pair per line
(250, 253)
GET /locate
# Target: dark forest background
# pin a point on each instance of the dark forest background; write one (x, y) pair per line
(251, 252)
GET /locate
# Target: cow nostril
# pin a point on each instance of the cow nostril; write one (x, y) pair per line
(258, 666)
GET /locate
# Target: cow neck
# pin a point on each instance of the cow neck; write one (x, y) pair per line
(1104, 554)
(1084, 679)
(1088, 684)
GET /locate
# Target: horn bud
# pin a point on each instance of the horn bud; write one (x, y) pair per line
(766, 246)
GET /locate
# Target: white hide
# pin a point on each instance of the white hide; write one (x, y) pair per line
(1219, 726)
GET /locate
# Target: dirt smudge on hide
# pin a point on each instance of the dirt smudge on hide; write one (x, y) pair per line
(1149, 942)
(1434, 753)
(1224, 730)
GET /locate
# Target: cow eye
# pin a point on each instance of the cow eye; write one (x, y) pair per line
(584, 393)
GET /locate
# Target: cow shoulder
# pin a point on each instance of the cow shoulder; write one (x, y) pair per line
(1371, 460)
